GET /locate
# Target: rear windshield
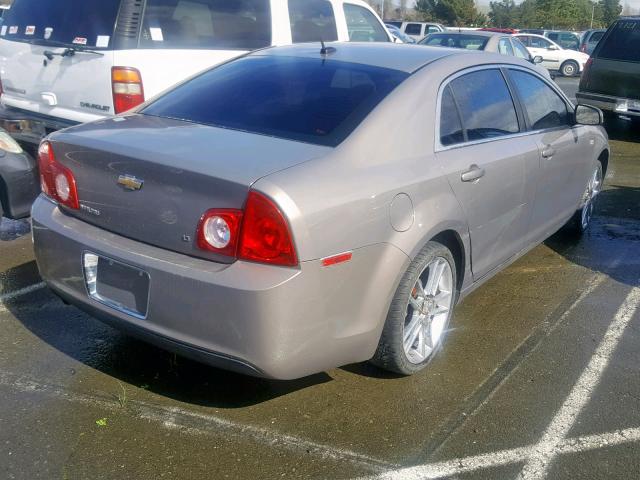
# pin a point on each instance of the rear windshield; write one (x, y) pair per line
(305, 99)
(623, 42)
(468, 42)
(67, 22)
(206, 24)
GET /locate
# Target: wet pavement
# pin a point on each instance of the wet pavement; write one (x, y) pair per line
(540, 378)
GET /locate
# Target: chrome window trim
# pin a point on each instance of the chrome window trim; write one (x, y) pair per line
(442, 148)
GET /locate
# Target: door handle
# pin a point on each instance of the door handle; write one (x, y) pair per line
(474, 173)
(548, 151)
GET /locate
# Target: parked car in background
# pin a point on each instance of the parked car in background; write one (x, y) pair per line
(64, 62)
(232, 257)
(554, 57)
(19, 181)
(498, 30)
(567, 40)
(535, 31)
(399, 35)
(590, 39)
(418, 30)
(611, 80)
(486, 41)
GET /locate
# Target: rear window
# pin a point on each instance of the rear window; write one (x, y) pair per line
(312, 100)
(206, 24)
(622, 42)
(468, 42)
(312, 21)
(67, 22)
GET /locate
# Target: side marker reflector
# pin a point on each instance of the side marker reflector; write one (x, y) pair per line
(335, 259)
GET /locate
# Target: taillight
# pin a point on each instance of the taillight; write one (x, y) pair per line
(585, 72)
(260, 233)
(56, 180)
(126, 83)
(218, 231)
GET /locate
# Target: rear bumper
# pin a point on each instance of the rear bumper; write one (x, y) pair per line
(257, 319)
(29, 128)
(19, 185)
(610, 103)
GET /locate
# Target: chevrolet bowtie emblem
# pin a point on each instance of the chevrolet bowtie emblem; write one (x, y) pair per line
(130, 182)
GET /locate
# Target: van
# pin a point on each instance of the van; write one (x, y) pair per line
(610, 79)
(64, 62)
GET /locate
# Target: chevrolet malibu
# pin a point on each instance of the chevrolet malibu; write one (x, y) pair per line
(266, 217)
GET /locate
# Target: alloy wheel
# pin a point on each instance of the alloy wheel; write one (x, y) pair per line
(593, 189)
(428, 310)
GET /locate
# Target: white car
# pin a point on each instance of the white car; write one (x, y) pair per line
(554, 57)
(64, 62)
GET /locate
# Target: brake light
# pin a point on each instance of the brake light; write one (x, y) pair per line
(56, 180)
(128, 92)
(260, 233)
(585, 72)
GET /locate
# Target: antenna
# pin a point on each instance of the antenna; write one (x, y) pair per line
(326, 50)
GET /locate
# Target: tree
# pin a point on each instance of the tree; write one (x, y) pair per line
(504, 14)
(450, 12)
(611, 10)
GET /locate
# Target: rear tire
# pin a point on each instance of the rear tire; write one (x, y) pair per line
(420, 312)
(581, 220)
(569, 68)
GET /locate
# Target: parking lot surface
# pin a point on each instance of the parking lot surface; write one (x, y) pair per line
(539, 378)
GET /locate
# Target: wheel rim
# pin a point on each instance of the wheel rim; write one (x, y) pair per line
(428, 309)
(569, 69)
(593, 189)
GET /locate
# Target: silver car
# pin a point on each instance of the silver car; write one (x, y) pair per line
(266, 217)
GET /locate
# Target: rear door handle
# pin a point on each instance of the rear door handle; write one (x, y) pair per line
(474, 173)
(548, 151)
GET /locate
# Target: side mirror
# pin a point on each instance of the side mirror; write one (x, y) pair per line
(536, 59)
(552, 47)
(588, 115)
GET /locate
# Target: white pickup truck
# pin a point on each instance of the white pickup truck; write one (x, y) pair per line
(64, 62)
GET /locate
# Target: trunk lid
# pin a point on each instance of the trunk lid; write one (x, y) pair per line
(183, 169)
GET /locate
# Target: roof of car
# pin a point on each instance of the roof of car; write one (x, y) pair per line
(402, 57)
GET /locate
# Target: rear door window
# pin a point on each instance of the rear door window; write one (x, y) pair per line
(313, 100)
(450, 123)
(539, 42)
(485, 104)
(543, 106)
(362, 25)
(61, 22)
(413, 29)
(312, 21)
(623, 42)
(206, 24)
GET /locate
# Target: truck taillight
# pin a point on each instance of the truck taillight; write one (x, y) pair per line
(128, 92)
(260, 233)
(56, 180)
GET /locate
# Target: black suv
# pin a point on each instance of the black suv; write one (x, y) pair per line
(611, 78)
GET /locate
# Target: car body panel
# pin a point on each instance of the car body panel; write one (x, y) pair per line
(19, 184)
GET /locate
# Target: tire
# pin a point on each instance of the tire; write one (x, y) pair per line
(424, 319)
(581, 220)
(569, 68)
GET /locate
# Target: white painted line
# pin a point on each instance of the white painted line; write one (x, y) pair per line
(200, 423)
(23, 291)
(553, 441)
(459, 466)
(539, 462)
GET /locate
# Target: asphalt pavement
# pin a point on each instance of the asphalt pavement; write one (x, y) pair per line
(539, 378)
